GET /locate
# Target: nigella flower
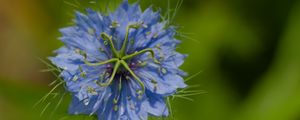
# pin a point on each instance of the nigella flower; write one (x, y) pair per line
(120, 66)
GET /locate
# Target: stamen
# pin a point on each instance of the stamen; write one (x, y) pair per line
(163, 70)
(155, 36)
(136, 25)
(154, 84)
(158, 46)
(114, 24)
(153, 81)
(115, 108)
(148, 33)
(80, 68)
(142, 63)
(91, 31)
(102, 75)
(80, 52)
(117, 97)
(127, 77)
(75, 78)
(91, 90)
(101, 50)
(131, 42)
(115, 101)
(83, 74)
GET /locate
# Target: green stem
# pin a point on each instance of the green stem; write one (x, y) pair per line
(110, 42)
(141, 52)
(100, 63)
(133, 74)
(117, 65)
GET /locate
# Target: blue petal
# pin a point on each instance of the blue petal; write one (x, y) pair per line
(89, 105)
(67, 61)
(175, 60)
(133, 105)
(105, 94)
(83, 22)
(150, 17)
(156, 105)
(78, 107)
(98, 22)
(163, 85)
(134, 12)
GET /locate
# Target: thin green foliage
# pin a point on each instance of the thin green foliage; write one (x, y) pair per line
(190, 90)
(168, 11)
(171, 13)
(187, 36)
(51, 95)
(44, 98)
(58, 104)
(185, 93)
(43, 111)
(178, 6)
(192, 76)
(170, 108)
(71, 4)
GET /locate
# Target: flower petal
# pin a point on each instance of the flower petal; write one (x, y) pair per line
(156, 105)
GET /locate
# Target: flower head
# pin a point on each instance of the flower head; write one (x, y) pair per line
(120, 66)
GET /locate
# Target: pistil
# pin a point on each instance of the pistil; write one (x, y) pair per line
(119, 58)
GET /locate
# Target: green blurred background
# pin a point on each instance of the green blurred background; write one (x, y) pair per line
(248, 53)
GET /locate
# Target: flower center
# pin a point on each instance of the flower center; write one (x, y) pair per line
(119, 58)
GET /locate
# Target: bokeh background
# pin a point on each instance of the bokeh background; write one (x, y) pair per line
(247, 54)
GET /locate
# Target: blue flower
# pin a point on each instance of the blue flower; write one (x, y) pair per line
(122, 65)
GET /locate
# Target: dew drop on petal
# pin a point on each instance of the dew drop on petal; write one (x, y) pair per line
(86, 101)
